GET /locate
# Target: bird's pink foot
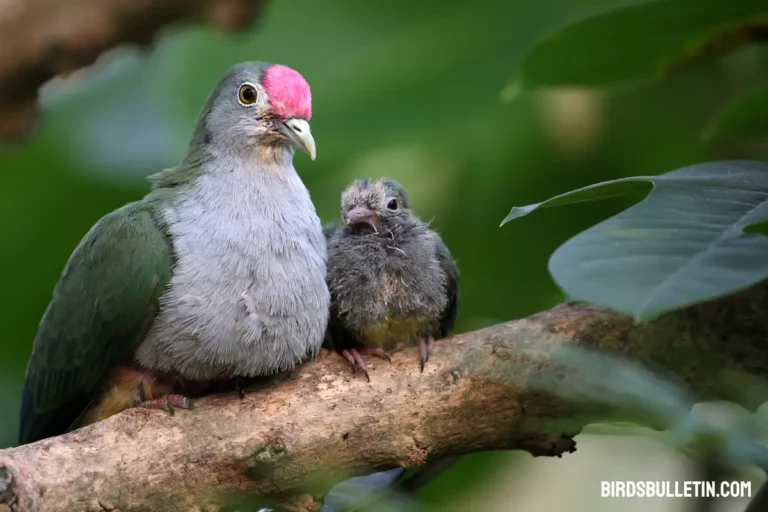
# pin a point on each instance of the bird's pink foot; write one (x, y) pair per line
(355, 358)
(425, 350)
(376, 352)
(168, 403)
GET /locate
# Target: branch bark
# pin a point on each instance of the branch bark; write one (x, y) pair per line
(41, 39)
(480, 391)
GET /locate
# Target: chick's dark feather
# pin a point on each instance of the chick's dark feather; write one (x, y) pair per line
(447, 263)
(388, 287)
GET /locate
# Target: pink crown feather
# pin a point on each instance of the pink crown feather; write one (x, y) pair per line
(288, 92)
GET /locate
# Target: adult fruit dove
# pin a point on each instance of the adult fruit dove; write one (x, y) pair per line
(217, 273)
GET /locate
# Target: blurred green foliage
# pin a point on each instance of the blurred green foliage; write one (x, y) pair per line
(640, 42)
(411, 90)
(742, 117)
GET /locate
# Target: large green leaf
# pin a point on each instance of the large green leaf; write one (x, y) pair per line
(743, 116)
(683, 244)
(641, 41)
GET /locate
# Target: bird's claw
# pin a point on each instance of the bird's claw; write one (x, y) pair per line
(425, 350)
(168, 403)
(240, 387)
(355, 358)
(377, 352)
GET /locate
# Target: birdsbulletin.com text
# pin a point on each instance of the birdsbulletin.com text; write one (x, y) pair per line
(674, 489)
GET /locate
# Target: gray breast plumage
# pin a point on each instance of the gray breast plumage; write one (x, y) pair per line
(376, 283)
(247, 296)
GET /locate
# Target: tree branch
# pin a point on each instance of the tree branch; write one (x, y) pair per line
(41, 39)
(480, 391)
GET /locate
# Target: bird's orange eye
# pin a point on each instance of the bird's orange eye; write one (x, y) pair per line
(248, 94)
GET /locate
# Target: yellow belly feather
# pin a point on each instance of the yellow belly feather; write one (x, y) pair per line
(394, 331)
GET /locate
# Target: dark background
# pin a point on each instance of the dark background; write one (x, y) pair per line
(409, 90)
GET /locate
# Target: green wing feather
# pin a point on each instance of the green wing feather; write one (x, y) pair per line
(102, 307)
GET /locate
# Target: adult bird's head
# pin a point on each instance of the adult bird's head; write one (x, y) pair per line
(374, 207)
(257, 110)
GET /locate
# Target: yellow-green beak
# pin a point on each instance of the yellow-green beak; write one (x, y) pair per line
(297, 130)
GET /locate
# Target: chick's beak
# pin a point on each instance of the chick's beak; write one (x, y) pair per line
(360, 216)
(297, 131)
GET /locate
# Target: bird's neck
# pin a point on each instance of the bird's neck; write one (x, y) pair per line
(274, 155)
(232, 175)
(228, 174)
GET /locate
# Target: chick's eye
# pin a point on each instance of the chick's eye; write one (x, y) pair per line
(392, 204)
(248, 94)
